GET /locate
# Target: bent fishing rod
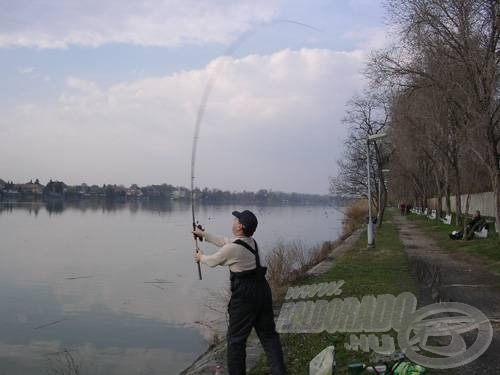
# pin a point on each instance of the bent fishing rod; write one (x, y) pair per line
(201, 111)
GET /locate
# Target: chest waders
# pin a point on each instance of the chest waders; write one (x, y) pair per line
(251, 306)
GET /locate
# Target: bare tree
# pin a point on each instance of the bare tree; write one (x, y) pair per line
(366, 115)
(453, 47)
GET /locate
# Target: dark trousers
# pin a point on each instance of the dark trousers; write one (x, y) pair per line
(251, 307)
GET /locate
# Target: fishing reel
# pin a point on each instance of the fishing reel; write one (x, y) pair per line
(198, 226)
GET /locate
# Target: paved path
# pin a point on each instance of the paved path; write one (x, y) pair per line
(453, 277)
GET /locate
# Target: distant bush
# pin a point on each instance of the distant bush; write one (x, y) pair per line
(355, 216)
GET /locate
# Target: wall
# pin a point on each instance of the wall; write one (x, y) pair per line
(484, 202)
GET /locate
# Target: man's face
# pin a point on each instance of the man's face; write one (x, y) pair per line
(237, 227)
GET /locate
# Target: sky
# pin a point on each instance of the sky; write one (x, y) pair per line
(107, 92)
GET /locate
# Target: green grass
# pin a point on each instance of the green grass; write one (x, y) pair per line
(487, 249)
(383, 270)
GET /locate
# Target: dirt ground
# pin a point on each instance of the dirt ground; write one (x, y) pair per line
(451, 277)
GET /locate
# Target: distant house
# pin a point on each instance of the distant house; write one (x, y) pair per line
(8, 190)
(30, 188)
(10, 193)
(134, 192)
(179, 193)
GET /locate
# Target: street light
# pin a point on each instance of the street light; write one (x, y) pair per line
(370, 233)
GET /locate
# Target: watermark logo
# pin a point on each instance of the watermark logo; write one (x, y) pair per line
(418, 330)
(448, 321)
(308, 291)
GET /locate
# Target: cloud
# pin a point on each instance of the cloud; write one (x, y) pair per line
(58, 24)
(271, 121)
(25, 70)
(371, 38)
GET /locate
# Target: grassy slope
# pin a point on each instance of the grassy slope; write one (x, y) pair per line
(383, 270)
(487, 249)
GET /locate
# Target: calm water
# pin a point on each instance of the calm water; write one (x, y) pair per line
(116, 287)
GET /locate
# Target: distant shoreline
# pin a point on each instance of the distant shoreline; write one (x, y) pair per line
(59, 191)
(147, 203)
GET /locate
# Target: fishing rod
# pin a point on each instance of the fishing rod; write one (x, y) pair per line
(201, 111)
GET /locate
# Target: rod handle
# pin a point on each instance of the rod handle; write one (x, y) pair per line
(199, 271)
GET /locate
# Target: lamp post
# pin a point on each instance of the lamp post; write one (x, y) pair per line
(370, 233)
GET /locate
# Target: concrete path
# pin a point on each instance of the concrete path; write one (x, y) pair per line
(453, 277)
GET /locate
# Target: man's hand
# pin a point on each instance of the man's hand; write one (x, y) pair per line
(198, 233)
(197, 255)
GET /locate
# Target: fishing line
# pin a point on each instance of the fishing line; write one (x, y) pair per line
(203, 104)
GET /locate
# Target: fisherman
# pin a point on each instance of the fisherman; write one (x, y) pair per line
(250, 305)
(474, 225)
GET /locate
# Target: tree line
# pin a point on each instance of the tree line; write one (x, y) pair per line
(161, 192)
(435, 93)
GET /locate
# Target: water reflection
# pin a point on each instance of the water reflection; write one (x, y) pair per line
(35, 314)
(58, 206)
(36, 323)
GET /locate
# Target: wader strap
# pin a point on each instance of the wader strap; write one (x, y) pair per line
(253, 251)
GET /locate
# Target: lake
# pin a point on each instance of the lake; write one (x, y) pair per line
(113, 289)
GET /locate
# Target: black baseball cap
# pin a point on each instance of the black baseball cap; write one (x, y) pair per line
(249, 221)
